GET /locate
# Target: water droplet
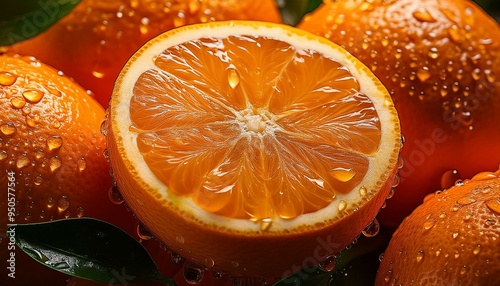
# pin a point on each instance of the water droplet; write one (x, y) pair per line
(235, 264)
(493, 205)
(362, 191)
(442, 215)
(423, 15)
(50, 202)
(342, 205)
(233, 78)
(388, 276)
(179, 19)
(18, 102)
(115, 196)
(8, 128)
(60, 265)
(342, 174)
(433, 53)
(79, 212)
(33, 95)
(467, 217)
(449, 178)
(38, 180)
(177, 259)
(82, 164)
(54, 163)
(455, 234)
(456, 207)
(328, 264)
(22, 161)
(381, 257)
(3, 155)
(477, 249)
(179, 238)
(7, 78)
(193, 274)
(265, 224)
(455, 33)
(62, 203)
(489, 222)
(420, 256)
(372, 229)
(428, 224)
(438, 252)
(209, 262)
(466, 201)
(143, 232)
(463, 270)
(423, 74)
(54, 142)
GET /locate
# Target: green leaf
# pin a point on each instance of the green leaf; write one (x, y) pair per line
(25, 19)
(88, 248)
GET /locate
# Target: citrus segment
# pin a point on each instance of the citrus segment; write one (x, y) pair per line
(251, 139)
(249, 151)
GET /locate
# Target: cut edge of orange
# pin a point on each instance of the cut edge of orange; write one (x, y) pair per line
(382, 165)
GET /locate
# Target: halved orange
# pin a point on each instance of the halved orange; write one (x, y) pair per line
(251, 148)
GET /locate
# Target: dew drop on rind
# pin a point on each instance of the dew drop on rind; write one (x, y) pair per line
(82, 164)
(420, 256)
(177, 259)
(50, 202)
(33, 96)
(54, 142)
(493, 205)
(423, 15)
(8, 128)
(466, 201)
(372, 229)
(7, 78)
(54, 163)
(477, 249)
(115, 196)
(193, 274)
(22, 161)
(79, 212)
(449, 178)
(328, 264)
(18, 102)
(428, 224)
(143, 232)
(63, 203)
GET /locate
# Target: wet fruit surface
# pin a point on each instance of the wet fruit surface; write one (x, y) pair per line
(453, 237)
(439, 61)
(95, 40)
(51, 155)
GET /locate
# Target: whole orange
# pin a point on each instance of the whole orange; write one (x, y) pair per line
(51, 157)
(451, 239)
(440, 61)
(93, 42)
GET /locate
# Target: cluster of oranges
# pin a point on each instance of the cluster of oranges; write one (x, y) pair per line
(251, 148)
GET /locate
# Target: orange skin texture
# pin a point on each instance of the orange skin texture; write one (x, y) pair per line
(452, 238)
(440, 62)
(94, 41)
(69, 190)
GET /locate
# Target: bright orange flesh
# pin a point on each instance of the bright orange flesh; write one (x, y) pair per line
(246, 144)
(243, 145)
